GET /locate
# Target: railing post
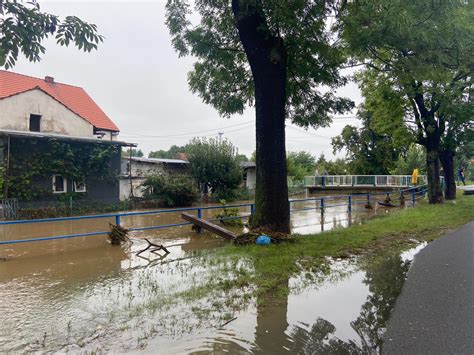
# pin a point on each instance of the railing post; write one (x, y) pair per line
(117, 219)
(350, 203)
(322, 206)
(413, 196)
(199, 214)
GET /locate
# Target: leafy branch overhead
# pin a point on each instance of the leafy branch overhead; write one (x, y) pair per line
(222, 76)
(23, 28)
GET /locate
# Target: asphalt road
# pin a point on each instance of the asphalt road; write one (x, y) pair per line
(434, 314)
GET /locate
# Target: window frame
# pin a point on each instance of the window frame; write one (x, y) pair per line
(54, 184)
(76, 189)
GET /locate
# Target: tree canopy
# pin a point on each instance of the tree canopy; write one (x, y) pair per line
(368, 152)
(419, 58)
(215, 165)
(221, 75)
(167, 154)
(23, 28)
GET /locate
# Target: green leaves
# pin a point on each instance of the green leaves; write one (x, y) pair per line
(214, 164)
(221, 75)
(368, 151)
(33, 160)
(23, 27)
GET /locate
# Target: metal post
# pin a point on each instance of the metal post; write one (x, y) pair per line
(350, 203)
(117, 219)
(368, 199)
(252, 209)
(413, 196)
(199, 229)
(322, 206)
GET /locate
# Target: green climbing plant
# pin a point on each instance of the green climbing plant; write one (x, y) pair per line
(34, 160)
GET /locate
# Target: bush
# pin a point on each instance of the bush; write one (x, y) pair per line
(173, 193)
(229, 212)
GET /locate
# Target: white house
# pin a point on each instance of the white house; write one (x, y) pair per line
(250, 174)
(135, 170)
(39, 110)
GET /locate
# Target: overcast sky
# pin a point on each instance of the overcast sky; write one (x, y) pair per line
(139, 81)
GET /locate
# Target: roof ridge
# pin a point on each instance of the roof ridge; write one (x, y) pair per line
(35, 77)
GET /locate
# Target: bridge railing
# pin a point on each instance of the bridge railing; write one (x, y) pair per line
(322, 203)
(363, 180)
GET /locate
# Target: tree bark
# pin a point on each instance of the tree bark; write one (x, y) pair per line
(435, 193)
(447, 162)
(267, 57)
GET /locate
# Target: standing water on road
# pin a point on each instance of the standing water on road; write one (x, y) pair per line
(84, 295)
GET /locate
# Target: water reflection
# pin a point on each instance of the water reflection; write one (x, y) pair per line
(345, 313)
(82, 295)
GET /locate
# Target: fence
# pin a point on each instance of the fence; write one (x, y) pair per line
(351, 201)
(363, 180)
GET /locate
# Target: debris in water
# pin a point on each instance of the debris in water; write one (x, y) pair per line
(118, 234)
(154, 248)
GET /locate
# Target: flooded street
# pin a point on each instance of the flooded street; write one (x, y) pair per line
(83, 295)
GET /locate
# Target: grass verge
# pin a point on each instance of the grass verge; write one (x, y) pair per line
(273, 265)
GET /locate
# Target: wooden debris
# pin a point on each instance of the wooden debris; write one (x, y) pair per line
(211, 227)
(153, 248)
(118, 234)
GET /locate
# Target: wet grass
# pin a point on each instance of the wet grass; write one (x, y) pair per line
(270, 267)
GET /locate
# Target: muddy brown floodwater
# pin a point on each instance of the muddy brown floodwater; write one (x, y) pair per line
(83, 295)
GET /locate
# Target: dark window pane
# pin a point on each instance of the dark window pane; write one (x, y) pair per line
(35, 123)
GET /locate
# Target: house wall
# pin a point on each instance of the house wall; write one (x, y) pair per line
(55, 118)
(251, 179)
(125, 191)
(97, 188)
(140, 170)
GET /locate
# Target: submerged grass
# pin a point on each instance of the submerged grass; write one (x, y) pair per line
(273, 265)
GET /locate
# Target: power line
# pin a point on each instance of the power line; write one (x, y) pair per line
(178, 135)
(186, 137)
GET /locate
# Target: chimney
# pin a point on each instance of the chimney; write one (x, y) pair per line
(49, 79)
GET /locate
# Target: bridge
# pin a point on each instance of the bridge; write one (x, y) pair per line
(360, 182)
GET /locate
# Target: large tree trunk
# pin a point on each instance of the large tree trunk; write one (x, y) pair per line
(447, 162)
(267, 57)
(435, 193)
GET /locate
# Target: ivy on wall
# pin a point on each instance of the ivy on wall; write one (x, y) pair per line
(33, 161)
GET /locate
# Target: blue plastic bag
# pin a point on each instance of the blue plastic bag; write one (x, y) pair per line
(263, 240)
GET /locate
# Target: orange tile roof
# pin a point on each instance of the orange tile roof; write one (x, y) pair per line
(73, 97)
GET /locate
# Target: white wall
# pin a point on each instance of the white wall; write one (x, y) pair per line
(251, 180)
(55, 118)
(125, 188)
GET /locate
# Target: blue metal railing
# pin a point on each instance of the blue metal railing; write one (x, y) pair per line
(416, 192)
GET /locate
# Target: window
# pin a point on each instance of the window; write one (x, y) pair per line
(79, 186)
(35, 123)
(59, 184)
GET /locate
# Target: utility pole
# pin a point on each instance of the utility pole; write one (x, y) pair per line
(220, 136)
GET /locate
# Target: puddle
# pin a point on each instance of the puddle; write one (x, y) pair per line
(83, 295)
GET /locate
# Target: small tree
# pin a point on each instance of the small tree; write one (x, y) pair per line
(173, 193)
(413, 158)
(215, 165)
(368, 152)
